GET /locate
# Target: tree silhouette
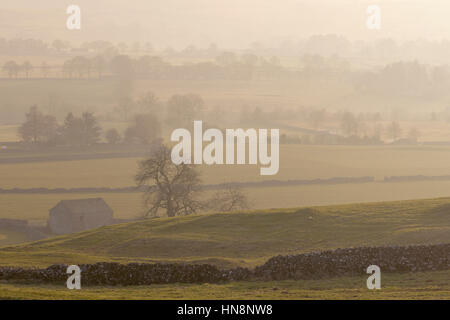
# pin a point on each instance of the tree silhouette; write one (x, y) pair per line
(394, 131)
(169, 187)
(112, 136)
(27, 68)
(11, 68)
(98, 64)
(38, 127)
(182, 109)
(145, 129)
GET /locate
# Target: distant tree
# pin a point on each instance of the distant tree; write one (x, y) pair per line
(112, 136)
(81, 65)
(230, 198)
(60, 45)
(53, 103)
(11, 68)
(98, 64)
(81, 131)
(71, 130)
(183, 109)
(377, 131)
(394, 131)
(317, 117)
(149, 103)
(91, 130)
(145, 129)
(27, 68)
(68, 68)
(349, 124)
(250, 59)
(414, 134)
(226, 58)
(169, 187)
(38, 127)
(122, 67)
(125, 107)
(45, 69)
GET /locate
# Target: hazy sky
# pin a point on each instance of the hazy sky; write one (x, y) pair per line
(229, 23)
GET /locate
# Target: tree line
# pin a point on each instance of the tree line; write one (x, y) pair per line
(83, 130)
(144, 116)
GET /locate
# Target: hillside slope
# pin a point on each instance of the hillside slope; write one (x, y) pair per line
(247, 238)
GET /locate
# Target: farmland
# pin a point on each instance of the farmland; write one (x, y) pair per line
(296, 162)
(129, 205)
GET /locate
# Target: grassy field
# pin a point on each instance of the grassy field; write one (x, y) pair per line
(430, 285)
(34, 207)
(296, 162)
(8, 237)
(246, 239)
(8, 133)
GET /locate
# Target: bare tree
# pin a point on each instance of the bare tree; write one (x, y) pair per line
(148, 103)
(11, 68)
(27, 68)
(98, 63)
(170, 187)
(394, 131)
(229, 199)
(81, 65)
(349, 124)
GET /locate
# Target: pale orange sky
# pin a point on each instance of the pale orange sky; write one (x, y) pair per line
(229, 23)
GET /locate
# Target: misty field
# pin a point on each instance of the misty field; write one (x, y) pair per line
(35, 207)
(296, 162)
(99, 95)
(429, 285)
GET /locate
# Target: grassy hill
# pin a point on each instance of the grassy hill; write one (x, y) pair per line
(247, 238)
(8, 237)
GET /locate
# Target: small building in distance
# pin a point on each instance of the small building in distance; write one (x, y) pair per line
(70, 216)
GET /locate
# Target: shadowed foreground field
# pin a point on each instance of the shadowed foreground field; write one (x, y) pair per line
(430, 285)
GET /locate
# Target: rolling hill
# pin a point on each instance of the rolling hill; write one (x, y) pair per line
(247, 238)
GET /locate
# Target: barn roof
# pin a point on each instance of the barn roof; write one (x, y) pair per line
(85, 206)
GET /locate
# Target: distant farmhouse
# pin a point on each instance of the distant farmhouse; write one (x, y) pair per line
(70, 216)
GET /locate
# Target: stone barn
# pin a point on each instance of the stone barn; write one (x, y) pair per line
(70, 216)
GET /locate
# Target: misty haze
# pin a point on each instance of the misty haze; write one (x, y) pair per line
(90, 115)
